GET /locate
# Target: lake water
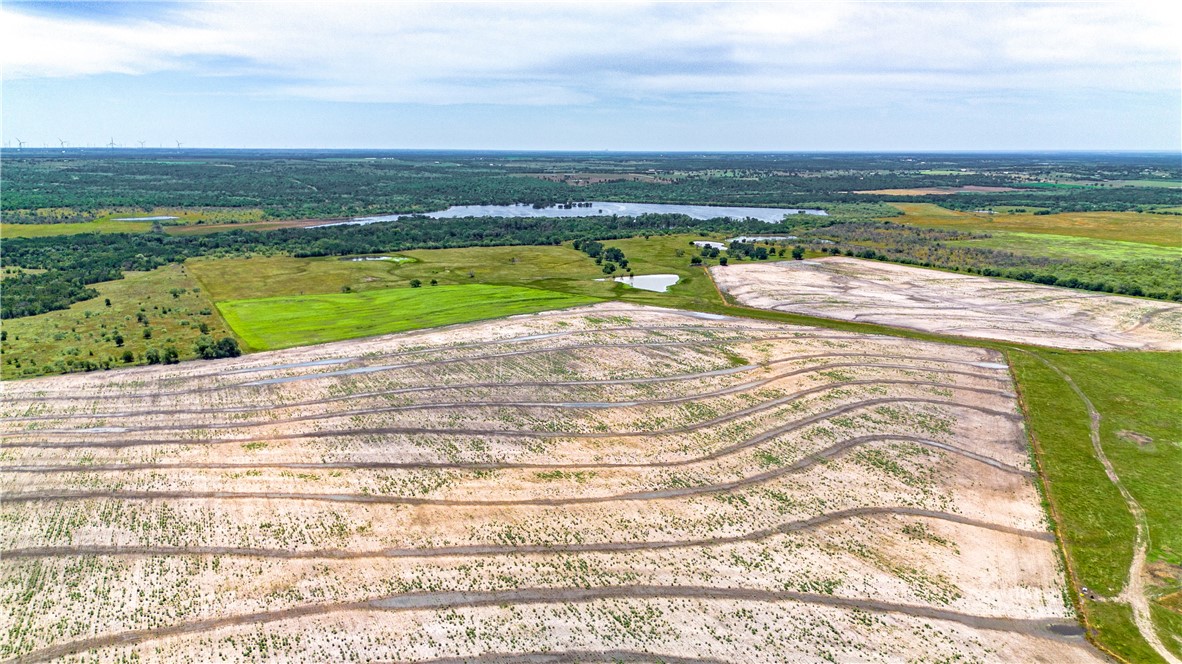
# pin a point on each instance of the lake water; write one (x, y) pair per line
(657, 283)
(706, 243)
(595, 209)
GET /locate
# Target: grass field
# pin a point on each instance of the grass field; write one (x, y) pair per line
(283, 322)
(1121, 226)
(1073, 248)
(105, 222)
(51, 342)
(1137, 396)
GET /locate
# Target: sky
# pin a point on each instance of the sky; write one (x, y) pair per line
(866, 76)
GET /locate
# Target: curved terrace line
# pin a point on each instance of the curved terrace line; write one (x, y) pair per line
(674, 378)
(365, 498)
(574, 405)
(508, 433)
(419, 601)
(473, 550)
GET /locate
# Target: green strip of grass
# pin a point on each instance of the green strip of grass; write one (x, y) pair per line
(1139, 397)
(282, 322)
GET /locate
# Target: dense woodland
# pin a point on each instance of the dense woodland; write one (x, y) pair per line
(333, 185)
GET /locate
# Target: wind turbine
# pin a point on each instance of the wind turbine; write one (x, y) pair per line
(141, 144)
(63, 143)
(112, 143)
(19, 143)
(178, 145)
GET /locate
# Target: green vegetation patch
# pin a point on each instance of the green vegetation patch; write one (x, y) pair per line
(1122, 226)
(282, 322)
(1138, 396)
(1072, 248)
(143, 313)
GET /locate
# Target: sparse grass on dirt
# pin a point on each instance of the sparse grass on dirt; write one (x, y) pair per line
(1122, 226)
(282, 322)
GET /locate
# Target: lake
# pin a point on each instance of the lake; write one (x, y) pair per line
(596, 209)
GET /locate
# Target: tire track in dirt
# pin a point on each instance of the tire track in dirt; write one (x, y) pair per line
(526, 549)
(569, 383)
(1134, 592)
(366, 498)
(574, 405)
(510, 433)
(446, 465)
(434, 601)
(366, 369)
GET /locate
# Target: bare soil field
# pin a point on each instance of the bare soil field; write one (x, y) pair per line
(956, 304)
(607, 483)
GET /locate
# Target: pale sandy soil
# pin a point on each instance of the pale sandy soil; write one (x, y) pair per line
(610, 483)
(956, 304)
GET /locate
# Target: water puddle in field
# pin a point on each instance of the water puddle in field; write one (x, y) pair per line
(596, 209)
(361, 259)
(1065, 630)
(761, 238)
(327, 374)
(706, 243)
(706, 316)
(990, 365)
(657, 283)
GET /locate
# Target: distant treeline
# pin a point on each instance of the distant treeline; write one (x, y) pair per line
(75, 261)
(311, 185)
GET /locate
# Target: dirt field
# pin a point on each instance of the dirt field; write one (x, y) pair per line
(610, 483)
(956, 304)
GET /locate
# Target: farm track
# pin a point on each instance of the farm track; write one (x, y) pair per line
(506, 550)
(365, 498)
(571, 656)
(418, 601)
(570, 383)
(510, 433)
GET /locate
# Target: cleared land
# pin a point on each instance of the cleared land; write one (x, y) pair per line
(608, 483)
(956, 304)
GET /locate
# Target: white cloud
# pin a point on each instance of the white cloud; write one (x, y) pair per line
(578, 53)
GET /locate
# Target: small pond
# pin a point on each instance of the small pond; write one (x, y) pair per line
(657, 283)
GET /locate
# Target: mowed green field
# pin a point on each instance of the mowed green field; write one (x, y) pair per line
(1163, 230)
(282, 322)
(54, 230)
(1139, 399)
(1073, 248)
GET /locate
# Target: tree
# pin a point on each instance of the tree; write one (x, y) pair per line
(695, 260)
(723, 261)
(797, 253)
(228, 347)
(107, 301)
(147, 333)
(434, 282)
(608, 268)
(152, 356)
(118, 339)
(128, 357)
(171, 355)
(415, 283)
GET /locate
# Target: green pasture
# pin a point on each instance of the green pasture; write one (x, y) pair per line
(1139, 227)
(1072, 248)
(282, 322)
